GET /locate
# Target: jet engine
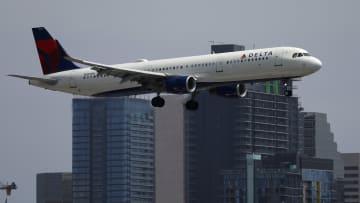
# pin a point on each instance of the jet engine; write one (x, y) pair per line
(180, 84)
(234, 90)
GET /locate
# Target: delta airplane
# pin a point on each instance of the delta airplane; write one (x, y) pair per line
(224, 74)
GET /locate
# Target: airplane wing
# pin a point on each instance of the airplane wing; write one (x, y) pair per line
(124, 73)
(145, 78)
(43, 80)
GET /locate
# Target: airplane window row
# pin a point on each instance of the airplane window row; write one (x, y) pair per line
(183, 66)
(300, 55)
(244, 60)
(94, 75)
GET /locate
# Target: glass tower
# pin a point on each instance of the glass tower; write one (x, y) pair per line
(54, 187)
(222, 132)
(113, 150)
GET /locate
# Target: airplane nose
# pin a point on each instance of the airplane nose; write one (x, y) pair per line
(316, 64)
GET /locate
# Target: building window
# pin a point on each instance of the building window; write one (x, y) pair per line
(351, 175)
(351, 168)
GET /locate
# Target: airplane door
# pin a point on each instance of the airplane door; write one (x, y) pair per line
(219, 67)
(72, 83)
(278, 60)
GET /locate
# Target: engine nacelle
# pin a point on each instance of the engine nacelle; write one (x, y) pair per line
(235, 90)
(180, 84)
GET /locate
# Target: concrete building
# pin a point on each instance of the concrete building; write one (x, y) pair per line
(351, 177)
(113, 150)
(319, 141)
(169, 150)
(54, 188)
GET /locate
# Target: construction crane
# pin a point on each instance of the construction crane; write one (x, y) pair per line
(8, 188)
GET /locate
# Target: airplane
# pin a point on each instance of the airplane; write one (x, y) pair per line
(224, 74)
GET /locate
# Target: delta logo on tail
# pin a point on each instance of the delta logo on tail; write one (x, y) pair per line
(50, 54)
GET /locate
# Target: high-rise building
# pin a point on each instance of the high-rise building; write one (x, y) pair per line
(113, 150)
(54, 188)
(208, 147)
(223, 131)
(169, 150)
(351, 177)
(319, 141)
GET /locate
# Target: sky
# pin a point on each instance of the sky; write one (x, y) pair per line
(35, 124)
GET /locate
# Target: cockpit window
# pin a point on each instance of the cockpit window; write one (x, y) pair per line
(300, 55)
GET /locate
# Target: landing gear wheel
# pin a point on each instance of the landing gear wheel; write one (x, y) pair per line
(158, 102)
(192, 105)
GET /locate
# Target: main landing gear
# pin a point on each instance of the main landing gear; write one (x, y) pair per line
(192, 105)
(159, 102)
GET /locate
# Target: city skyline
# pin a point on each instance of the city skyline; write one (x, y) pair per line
(36, 124)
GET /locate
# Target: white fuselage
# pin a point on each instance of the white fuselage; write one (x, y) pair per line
(240, 66)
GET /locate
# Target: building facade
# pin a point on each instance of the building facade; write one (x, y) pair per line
(113, 151)
(223, 131)
(351, 177)
(317, 180)
(284, 177)
(319, 141)
(270, 186)
(169, 150)
(54, 187)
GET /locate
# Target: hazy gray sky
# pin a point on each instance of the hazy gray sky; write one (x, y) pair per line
(36, 124)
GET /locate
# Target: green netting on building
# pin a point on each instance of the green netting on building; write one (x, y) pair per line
(272, 87)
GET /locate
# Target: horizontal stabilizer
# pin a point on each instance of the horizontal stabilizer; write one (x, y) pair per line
(43, 80)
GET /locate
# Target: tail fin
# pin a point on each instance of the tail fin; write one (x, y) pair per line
(51, 54)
